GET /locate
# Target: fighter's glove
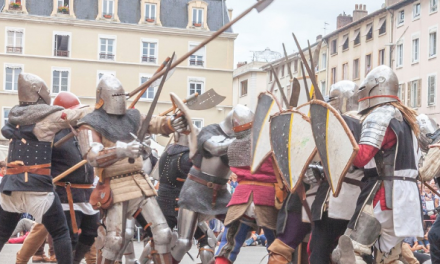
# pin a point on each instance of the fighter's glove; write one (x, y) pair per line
(128, 150)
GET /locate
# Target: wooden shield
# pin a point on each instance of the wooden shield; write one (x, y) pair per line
(261, 149)
(336, 145)
(293, 146)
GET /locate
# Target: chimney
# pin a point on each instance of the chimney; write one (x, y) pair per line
(318, 38)
(241, 64)
(230, 13)
(359, 12)
(343, 20)
(389, 3)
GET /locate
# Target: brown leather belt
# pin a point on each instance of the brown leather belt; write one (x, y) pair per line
(17, 167)
(126, 175)
(354, 182)
(214, 186)
(268, 184)
(396, 178)
(68, 187)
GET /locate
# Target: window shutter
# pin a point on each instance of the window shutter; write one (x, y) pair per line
(402, 93)
(419, 93)
(408, 95)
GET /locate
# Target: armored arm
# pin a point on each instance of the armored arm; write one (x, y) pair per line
(97, 155)
(218, 145)
(166, 125)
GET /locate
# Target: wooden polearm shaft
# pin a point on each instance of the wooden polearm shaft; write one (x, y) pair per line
(201, 45)
(69, 171)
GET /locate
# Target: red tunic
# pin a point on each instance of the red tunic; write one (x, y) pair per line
(262, 195)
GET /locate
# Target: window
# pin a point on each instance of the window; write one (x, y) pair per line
(400, 92)
(382, 26)
(356, 69)
(295, 65)
(150, 12)
(369, 31)
(107, 49)
(61, 45)
(107, 9)
(415, 50)
(399, 55)
(333, 75)
(270, 76)
(345, 71)
(432, 84)
(197, 17)
(416, 11)
(413, 96)
(149, 52)
(367, 64)
(243, 88)
(433, 6)
(60, 81)
(11, 77)
(401, 17)
(345, 42)
(382, 57)
(324, 60)
(323, 87)
(198, 123)
(150, 92)
(197, 58)
(334, 46)
(357, 36)
(5, 115)
(15, 41)
(282, 70)
(196, 86)
(432, 44)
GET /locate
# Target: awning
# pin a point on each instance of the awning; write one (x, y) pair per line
(356, 34)
(381, 22)
(344, 39)
(369, 26)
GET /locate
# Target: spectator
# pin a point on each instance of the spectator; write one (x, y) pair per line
(2, 169)
(256, 239)
(23, 226)
(233, 182)
(424, 242)
(414, 244)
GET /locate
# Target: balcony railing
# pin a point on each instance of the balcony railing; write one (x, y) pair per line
(148, 59)
(108, 16)
(107, 56)
(14, 50)
(61, 53)
(15, 6)
(196, 63)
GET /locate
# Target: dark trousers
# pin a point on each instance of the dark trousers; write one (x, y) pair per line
(88, 225)
(325, 235)
(55, 223)
(434, 240)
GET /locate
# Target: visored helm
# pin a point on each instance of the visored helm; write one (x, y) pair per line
(427, 127)
(242, 118)
(67, 100)
(226, 125)
(32, 90)
(110, 95)
(343, 96)
(380, 86)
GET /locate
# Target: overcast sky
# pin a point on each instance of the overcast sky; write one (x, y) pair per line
(273, 26)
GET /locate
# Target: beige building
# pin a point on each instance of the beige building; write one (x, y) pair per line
(71, 43)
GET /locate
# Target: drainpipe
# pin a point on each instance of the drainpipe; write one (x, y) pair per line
(223, 12)
(391, 37)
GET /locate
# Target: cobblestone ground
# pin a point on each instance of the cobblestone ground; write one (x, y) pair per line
(248, 255)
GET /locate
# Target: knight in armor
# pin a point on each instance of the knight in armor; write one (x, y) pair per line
(105, 141)
(74, 192)
(331, 214)
(207, 180)
(388, 208)
(253, 203)
(27, 186)
(174, 166)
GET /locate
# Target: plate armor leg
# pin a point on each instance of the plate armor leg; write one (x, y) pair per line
(128, 248)
(186, 226)
(145, 257)
(109, 239)
(160, 229)
(207, 244)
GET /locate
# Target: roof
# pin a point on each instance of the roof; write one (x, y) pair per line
(290, 57)
(174, 13)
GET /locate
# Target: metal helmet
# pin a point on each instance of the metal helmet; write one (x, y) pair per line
(242, 118)
(67, 100)
(343, 96)
(226, 125)
(32, 90)
(380, 86)
(427, 127)
(110, 95)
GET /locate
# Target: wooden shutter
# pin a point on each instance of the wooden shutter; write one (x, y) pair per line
(408, 95)
(431, 90)
(402, 93)
(419, 93)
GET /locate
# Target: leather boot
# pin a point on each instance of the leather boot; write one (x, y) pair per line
(280, 253)
(80, 252)
(90, 256)
(33, 241)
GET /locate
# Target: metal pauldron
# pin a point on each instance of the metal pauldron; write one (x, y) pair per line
(375, 125)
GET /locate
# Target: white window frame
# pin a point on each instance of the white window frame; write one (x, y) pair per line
(397, 54)
(416, 16)
(247, 88)
(103, 72)
(433, 30)
(435, 89)
(401, 21)
(334, 44)
(358, 70)
(115, 41)
(148, 11)
(3, 115)
(323, 87)
(200, 52)
(22, 39)
(69, 77)
(197, 16)
(400, 91)
(145, 75)
(414, 99)
(196, 80)
(415, 51)
(104, 12)
(4, 74)
(433, 6)
(156, 51)
(202, 121)
(69, 48)
(323, 61)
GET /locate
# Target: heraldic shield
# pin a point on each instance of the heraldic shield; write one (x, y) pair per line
(261, 149)
(335, 143)
(293, 146)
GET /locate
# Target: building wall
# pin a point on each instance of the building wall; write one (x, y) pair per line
(419, 28)
(256, 78)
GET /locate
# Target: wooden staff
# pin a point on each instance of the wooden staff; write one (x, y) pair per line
(69, 171)
(171, 109)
